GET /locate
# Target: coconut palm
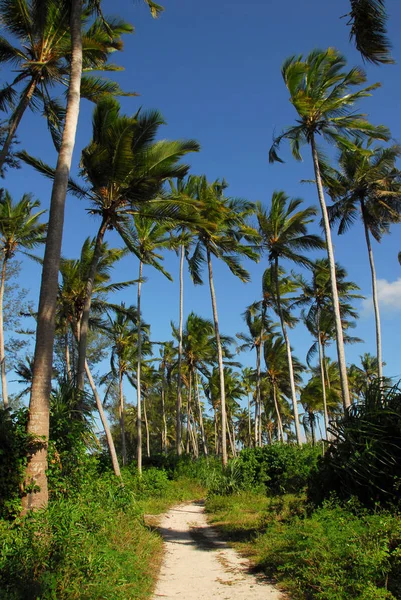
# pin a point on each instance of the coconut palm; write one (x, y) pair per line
(321, 93)
(363, 375)
(43, 60)
(167, 361)
(38, 422)
(222, 232)
(146, 238)
(283, 230)
(249, 388)
(259, 327)
(20, 230)
(368, 19)
(367, 186)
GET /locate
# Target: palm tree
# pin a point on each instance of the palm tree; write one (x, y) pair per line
(20, 230)
(145, 239)
(367, 186)
(42, 60)
(321, 93)
(259, 326)
(249, 386)
(167, 361)
(319, 318)
(283, 230)
(361, 377)
(221, 231)
(368, 19)
(38, 422)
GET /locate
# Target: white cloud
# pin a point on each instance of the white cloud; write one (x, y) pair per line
(389, 293)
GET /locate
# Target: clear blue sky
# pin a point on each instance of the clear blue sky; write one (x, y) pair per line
(213, 70)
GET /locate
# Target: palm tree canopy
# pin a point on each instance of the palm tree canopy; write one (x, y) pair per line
(283, 229)
(368, 19)
(367, 180)
(19, 228)
(321, 93)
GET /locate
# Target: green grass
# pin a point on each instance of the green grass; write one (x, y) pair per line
(333, 553)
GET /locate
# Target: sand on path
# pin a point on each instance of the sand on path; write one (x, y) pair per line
(198, 565)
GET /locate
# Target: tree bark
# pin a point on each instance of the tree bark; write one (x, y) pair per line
(279, 421)
(2, 352)
(145, 417)
(103, 418)
(333, 280)
(374, 296)
(67, 356)
(18, 114)
(258, 353)
(179, 377)
(257, 409)
(249, 423)
(38, 420)
(121, 416)
(164, 429)
(323, 380)
(289, 356)
(138, 376)
(220, 362)
(83, 340)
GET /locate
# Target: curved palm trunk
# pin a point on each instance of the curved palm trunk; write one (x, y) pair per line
(145, 418)
(18, 114)
(83, 340)
(121, 415)
(220, 362)
(230, 439)
(164, 430)
(103, 418)
(67, 356)
(179, 377)
(201, 426)
(333, 280)
(2, 353)
(323, 380)
(289, 357)
(38, 420)
(138, 377)
(374, 296)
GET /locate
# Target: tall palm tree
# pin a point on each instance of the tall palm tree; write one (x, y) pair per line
(283, 230)
(249, 387)
(20, 231)
(42, 60)
(367, 186)
(363, 375)
(146, 238)
(38, 422)
(259, 327)
(222, 232)
(321, 93)
(368, 21)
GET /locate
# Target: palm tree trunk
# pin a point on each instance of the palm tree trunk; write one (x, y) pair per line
(121, 416)
(374, 295)
(258, 353)
(138, 377)
(103, 418)
(67, 356)
(220, 362)
(312, 427)
(179, 377)
(216, 435)
(202, 428)
(83, 340)
(289, 356)
(18, 114)
(333, 280)
(164, 430)
(189, 398)
(38, 420)
(323, 380)
(249, 422)
(234, 438)
(2, 353)
(145, 417)
(230, 439)
(257, 409)
(279, 421)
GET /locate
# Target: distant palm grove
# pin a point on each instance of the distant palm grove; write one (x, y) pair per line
(85, 354)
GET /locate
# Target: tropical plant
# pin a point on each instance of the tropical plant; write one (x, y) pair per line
(283, 230)
(321, 93)
(367, 186)
(38, 423)
(20, 230)
(368, 21)
(222, 232)
(363, 375)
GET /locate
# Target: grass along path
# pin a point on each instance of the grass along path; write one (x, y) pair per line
(198, 565)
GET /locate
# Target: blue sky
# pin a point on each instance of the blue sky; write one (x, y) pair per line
(213, 70)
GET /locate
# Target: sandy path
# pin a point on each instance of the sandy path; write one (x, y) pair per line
(197, 565)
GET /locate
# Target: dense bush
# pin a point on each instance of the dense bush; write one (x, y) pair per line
(364, 459)
(277, 468)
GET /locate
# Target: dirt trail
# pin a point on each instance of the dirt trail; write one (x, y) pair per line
(199, 566)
